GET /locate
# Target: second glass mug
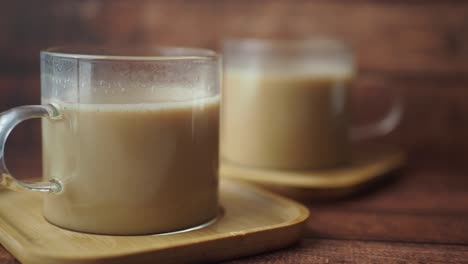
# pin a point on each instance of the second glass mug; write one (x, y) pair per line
(130, 140)
(286, 104)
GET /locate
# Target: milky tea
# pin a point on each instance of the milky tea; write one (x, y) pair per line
(133, 168)
(286, 118)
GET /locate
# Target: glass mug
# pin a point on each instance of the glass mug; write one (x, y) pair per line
(130, 139)
(286, 104)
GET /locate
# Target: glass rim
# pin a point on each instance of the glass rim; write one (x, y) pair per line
(294, 43)
(167, 53)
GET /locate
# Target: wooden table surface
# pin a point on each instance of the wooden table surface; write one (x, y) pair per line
(415, 48)
(418, 214)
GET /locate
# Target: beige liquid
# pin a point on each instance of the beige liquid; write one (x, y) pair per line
(135, 168)
(286, 119)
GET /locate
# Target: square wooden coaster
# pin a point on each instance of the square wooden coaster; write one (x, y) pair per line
(253, 221)
(368, 163)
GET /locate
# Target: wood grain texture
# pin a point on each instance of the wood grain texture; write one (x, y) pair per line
(415, 48)
(318, 251)
(390, 36)
(6, 257)
(252, 221)
(426, 203)
(368, 163)
(351, 251)
(426, 185)
(374, 225)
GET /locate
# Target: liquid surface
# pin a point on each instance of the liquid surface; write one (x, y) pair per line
(286, 119)
(133, 168)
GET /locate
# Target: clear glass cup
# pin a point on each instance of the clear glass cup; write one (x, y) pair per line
(130, 138)
(286, 104)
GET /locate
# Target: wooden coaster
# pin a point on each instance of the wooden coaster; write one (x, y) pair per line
(253, 221)
(369, 162)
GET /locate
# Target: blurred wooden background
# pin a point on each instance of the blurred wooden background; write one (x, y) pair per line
(417, 48)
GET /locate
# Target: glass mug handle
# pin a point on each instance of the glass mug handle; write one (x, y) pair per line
(8, 120)
(382, 127)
